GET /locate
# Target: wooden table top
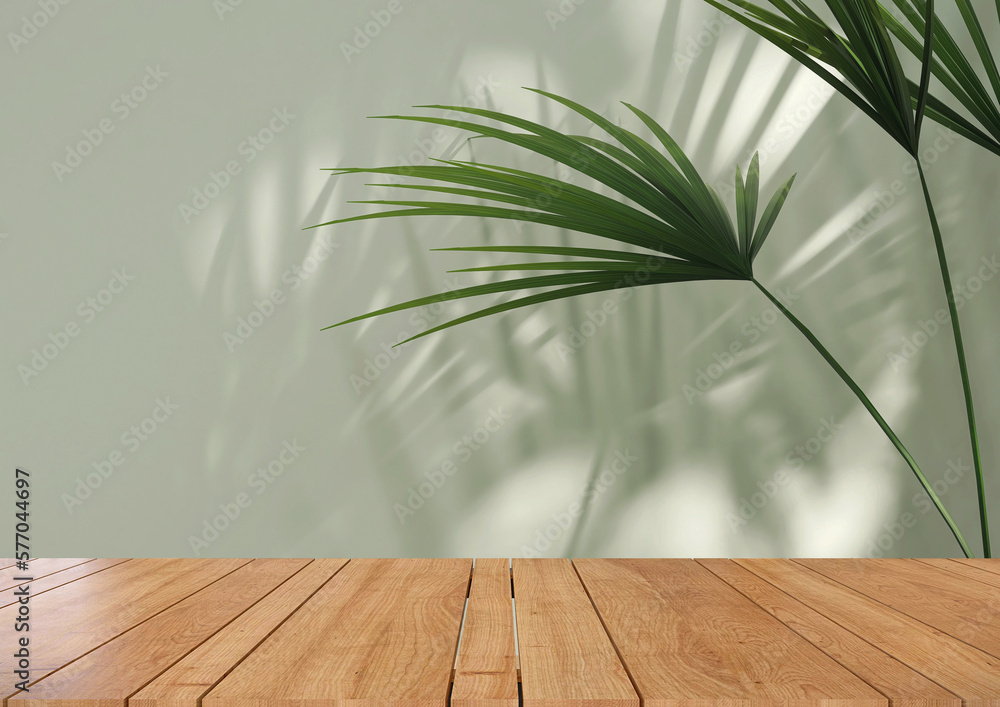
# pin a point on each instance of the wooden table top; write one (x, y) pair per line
(545, 633)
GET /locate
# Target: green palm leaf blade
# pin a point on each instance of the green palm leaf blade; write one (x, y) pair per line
(518, 303)
(925, 72)
(944, 115)
(678, 220)
(742, 225)
(712, 206)
(752, 194)
(866, 64)
(553, 250)
(769, 216)
(677, 216)
(873, 79)
(979, 39)
(489, 288)
(661, 266)
(952, 69)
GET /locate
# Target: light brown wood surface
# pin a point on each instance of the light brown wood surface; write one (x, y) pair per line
(76, 618)
(956, 666)
(386, 633)
(486, 671)
(566, 657)
(58, 579)
(985, 565)
(380, 632)
(37, 569)
(150, 648)
(968, 610)
(904, 686)
(188, 680)
(688, 637)
(968, 571)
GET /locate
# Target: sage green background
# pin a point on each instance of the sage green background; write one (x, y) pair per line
(571, 402)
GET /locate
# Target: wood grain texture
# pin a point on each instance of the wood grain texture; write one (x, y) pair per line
(57, 579)
(689, 639)
(161, 641)
(567, 659)
(381, 632)
(189, 679)
(966, 609)
(956, 666)
(486, 674)
(974, 572)
(902, 685)
(991, 565)
(75, 618)
(37, 569)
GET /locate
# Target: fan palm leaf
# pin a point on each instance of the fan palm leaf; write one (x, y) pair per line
(953, 69)
(676, 218)
(862, 53)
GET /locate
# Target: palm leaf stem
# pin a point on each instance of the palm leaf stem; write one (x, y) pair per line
(962, 365)
(876, 415)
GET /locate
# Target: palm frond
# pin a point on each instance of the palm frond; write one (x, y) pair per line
(953, 69)
(679, 221)
(859, 60)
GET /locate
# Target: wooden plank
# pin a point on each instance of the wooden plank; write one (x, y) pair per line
(956, 666)
(57, 579)
(965, 609)
(969, 571)
(75, 618)
(690, 639)
(381, 632)
(91, 681)
(37, 570)
(986, 565)
(567, 658)
(188, 680)
(902, 685)
(486, 674)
